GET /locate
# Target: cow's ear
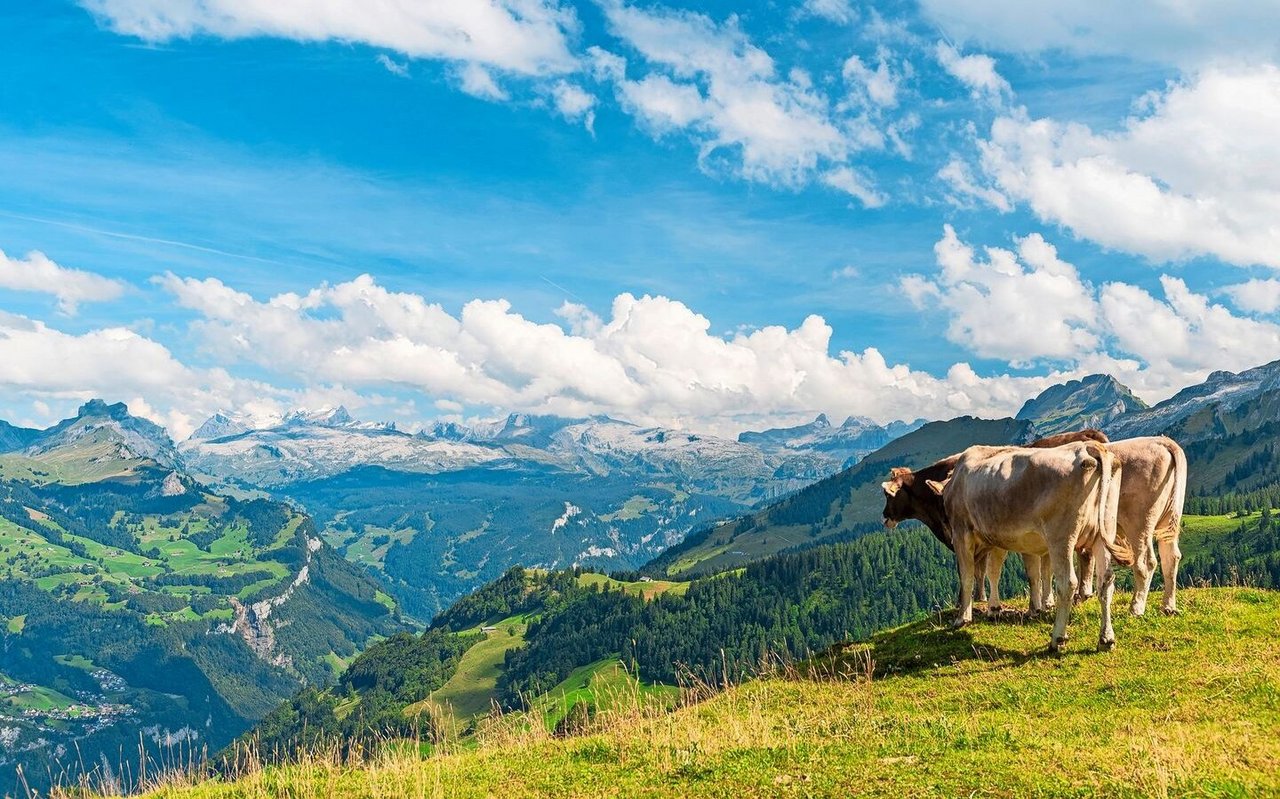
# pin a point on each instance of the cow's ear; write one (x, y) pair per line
(935, 486)
(891, 487)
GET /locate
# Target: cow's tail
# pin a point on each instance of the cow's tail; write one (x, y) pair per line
(1108, 501)
(1170, 525)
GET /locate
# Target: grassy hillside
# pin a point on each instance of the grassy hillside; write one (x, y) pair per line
(838, 508)
(1186, 706)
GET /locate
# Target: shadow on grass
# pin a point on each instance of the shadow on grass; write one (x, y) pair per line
(932, 642)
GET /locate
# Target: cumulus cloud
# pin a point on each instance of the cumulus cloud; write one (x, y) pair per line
(574, 103)
(1192, 173)
(527, 37)
(1029, 306)
(652, 359)
(710, 82)
(69, 286)
(118, 363)
(1185, 33)
(1256, 296)
(976, 71)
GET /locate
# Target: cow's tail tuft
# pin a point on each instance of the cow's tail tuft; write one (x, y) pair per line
(1108, 500)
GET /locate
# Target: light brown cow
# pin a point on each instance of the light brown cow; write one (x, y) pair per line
(908, 497)
(1042, 502)
(1152, 495)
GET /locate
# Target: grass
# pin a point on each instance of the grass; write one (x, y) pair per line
(648, 589)
(1185, 706)
(470, 692)
(606, 686)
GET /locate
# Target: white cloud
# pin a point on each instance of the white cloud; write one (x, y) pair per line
(1019, 306)
(880, 84)
(976, 71)
(965, 188)
(710, 82)
(1179, 32)
(477, 81)
(855, 185)
(45, 366)
(651, 360)
(1028, 306)
(1193, 173)
(71, 287)
(393, 66)
(527, 37)
(574, 103)
(1256, 296)
(838, 11)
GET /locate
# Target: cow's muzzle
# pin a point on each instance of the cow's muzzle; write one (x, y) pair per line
(889, 524)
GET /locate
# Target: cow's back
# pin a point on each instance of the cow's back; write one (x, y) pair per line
(1005, 491)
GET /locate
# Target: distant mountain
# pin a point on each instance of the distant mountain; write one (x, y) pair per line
(220, 425)
(827, 447)
(441, 511)
(108, 430)
(1090, 402)
(15, 438)
(1200, 411)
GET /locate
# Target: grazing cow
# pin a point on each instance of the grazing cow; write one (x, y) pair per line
(908, 497)
(1039, 501)
(1151, 499)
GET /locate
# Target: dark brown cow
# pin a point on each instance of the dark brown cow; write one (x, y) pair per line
(908, 497)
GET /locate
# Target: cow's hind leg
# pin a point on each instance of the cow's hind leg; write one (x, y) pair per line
(1084, 577)
(980, 568)
(1064, 575)
(966, 565)
(1031, 563)
(1170, 554)
(995, 565)
(1046, 582)
(1144, 569)
(1106, 590)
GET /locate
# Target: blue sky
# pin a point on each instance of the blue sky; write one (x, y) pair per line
(720, 216)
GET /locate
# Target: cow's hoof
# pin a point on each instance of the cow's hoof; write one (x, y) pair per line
(1138, 610)
(1106, 644)
(959, 622)
(1171, 611)
(1056, 645)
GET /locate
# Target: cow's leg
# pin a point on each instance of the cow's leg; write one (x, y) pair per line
(1046, 583)
(1031, 563)
(995, 565)
(1084, 577)
(1170, 554)
(980, 567)
(965, 563)
(1064, 574)
(1106, 590)
(1144, 569)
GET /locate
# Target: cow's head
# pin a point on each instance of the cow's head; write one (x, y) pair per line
(898, 504)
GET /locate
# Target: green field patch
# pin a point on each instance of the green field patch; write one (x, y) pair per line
(38, 697)
(16, 624)
(75, 661)
(633, 508)
(603, 686)
(648, 589)
(472, 688)
(371, 546)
